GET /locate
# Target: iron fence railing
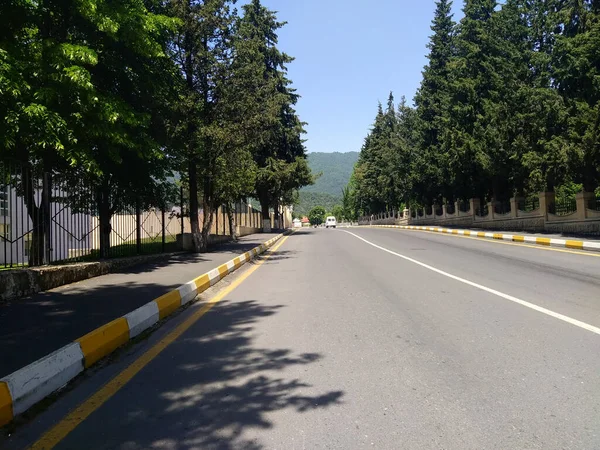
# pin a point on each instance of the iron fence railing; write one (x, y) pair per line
(54, 218)
(594, 204)
(438, 210)
(464, 206)
(450, 209)
(529, 205)
(502, 208)
(482, 210)
(563, 207)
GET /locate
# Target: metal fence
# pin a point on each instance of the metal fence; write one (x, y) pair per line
(502, 208)
(54, 218)
(464, 206)
(529, 205)
(563, 207)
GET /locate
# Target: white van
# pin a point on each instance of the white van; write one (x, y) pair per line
(330, 222)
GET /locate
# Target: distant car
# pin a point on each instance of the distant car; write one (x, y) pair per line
(330, 222)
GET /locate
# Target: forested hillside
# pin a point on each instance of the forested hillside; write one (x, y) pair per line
(335, 169)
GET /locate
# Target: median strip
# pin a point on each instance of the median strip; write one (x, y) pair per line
(548, 242)
(34, 382)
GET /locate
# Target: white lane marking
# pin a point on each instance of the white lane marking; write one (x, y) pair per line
(577, 323)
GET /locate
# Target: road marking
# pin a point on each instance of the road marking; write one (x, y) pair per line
(570, 320)
(59, 431)
(516, 240)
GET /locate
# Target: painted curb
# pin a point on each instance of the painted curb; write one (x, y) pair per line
(27, 386)
(548, 242)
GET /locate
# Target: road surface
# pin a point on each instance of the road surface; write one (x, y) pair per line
(359, 338)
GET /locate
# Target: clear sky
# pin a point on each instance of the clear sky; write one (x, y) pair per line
(350, 54)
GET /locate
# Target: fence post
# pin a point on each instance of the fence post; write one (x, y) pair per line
(181, 213)
(162, 214)
(224, 213)
(583, 198)
(475, 205)
(514, 207)
(138, 226)
(546, 199)
(47, 219)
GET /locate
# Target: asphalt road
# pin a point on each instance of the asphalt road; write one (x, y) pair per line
(377, 339)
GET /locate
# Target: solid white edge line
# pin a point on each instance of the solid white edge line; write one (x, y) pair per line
(548, 312)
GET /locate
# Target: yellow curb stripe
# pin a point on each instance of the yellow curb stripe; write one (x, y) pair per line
(518, 238)
(6, 409)
(467, 233)
(498, 236)
(237, 262)
(248, 256)
(574, 244)
(98, 343)
(58, 432)
(454, 231)
(542, 241)
(223, 271)
(168, 303)
(481, 234)
(202, 283)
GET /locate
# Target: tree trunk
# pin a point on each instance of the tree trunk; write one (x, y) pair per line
(194, 209)
(36, 214)
(104, 215)
(276, 216)
(266, 218)
(206, 221)
(232, 224)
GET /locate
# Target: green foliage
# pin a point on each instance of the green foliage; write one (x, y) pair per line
(338, 212)
(317, 215)
(276, 145)
(308, 200)
(509, 105)
(335, 169)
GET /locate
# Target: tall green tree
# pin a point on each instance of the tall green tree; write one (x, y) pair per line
(482, 78)
(576, 58)
(82, 86)
(203, 51)
(430, 175)
(278, 149)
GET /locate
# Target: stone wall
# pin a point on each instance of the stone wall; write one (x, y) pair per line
(18, 283)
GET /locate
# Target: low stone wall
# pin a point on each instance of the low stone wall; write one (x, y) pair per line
(245, 231)
(18, 283)
(458, 221)
(575, 228)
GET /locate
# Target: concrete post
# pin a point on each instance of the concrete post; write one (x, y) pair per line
(444, 214)
(514, 207)
(583, 199)
(491, 206)
(456, 208)
(546, 199)
(475, 205)
(406, 213)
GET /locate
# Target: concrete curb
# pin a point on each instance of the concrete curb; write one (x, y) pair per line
(548, 242)
(27, 386)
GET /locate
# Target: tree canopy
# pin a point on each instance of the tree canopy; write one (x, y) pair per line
(508, 106)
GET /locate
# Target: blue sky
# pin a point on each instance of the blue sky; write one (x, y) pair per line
(350, 54)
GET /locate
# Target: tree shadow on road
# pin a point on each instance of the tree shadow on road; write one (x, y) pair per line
(208, 389)
(33, 327)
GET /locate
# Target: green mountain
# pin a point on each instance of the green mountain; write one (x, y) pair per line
(336, 169)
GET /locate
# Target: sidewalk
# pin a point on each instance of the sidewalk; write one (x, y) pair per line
(32, 327)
